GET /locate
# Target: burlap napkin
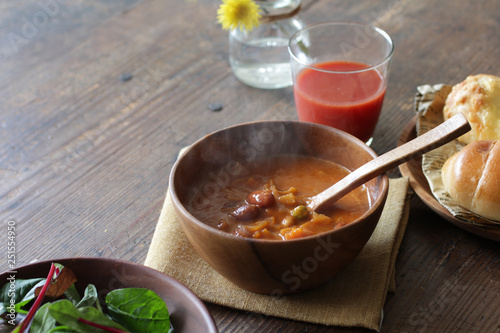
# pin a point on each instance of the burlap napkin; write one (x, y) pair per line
(354, 298)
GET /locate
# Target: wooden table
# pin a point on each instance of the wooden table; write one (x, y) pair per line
(97, 98)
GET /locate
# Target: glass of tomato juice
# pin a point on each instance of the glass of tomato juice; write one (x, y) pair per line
(340, 71)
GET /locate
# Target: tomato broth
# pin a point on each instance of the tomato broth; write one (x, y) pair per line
(268, 199)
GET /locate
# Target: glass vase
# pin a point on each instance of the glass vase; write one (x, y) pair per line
(259, 58)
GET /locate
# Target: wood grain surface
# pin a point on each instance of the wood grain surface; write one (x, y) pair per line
(98, 97)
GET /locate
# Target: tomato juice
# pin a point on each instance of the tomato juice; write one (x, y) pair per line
(340, 94)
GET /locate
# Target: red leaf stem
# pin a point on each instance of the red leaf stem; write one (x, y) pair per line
(31, 313)
(102, 327)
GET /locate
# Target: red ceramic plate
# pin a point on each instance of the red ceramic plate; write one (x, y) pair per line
(413, 170)
(187, 311)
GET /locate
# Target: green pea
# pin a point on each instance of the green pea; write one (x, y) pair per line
(300, 212)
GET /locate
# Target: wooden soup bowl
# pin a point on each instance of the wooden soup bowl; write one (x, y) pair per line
(270, 266)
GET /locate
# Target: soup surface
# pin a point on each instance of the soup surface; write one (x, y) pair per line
(267, 198)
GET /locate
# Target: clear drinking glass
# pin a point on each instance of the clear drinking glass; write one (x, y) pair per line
(259, 58)
(340, 72)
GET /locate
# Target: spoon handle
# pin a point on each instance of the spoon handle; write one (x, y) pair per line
(438, 136)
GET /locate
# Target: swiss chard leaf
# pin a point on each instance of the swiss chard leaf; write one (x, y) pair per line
(90, 298)
(61, 329)
(24, 292)
(73, 295)
(67, 314)
(139, 310)
(42, 322)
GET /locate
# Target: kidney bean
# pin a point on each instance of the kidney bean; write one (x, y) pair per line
(245, 212)
(222, 225)
(261, 198)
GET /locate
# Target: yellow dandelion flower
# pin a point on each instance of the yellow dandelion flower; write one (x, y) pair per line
(244, 14)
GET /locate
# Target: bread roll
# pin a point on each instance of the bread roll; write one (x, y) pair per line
(478, 98)
(472, 178)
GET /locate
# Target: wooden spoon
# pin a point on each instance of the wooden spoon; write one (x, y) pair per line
(438, 136)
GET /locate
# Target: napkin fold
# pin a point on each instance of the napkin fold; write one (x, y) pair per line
(354, 298)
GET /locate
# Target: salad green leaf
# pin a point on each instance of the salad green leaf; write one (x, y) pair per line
(67, 314)
(73, 295)
(61, 329)
(42, 321)
(90, 298)
(138, 309)
(23, 293)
